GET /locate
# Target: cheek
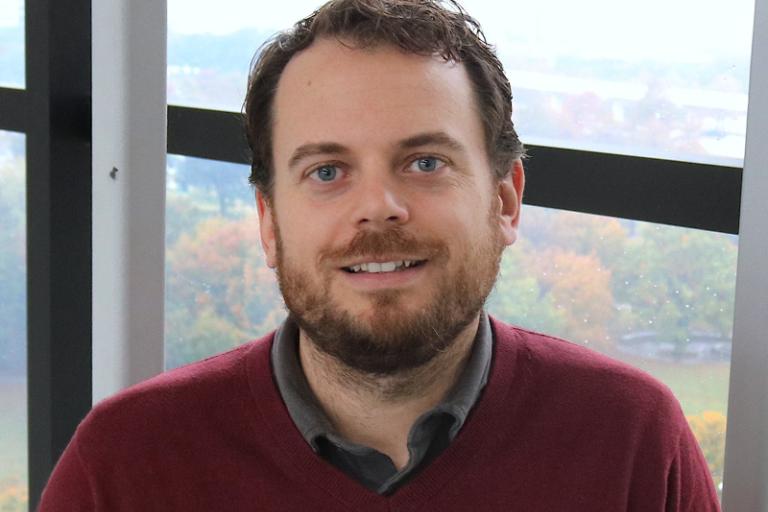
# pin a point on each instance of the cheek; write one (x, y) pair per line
(296, 239)
(304, 238)
(467, 219)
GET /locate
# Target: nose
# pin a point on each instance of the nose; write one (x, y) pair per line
(380, 204)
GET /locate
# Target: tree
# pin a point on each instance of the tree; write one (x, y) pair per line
(678, 283)
(575, 232)
(224, 183)
(709, 430)
(673, 283)
(561, 256)
(518, 296)
(219, 291)
(182, 214)
(579, 286)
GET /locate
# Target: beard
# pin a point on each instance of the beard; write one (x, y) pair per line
(392, 338)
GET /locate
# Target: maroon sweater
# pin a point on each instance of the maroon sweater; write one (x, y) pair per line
(558, 428)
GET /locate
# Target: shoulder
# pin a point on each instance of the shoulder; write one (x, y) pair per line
(193, 394)
(574, 405)
(573, 376)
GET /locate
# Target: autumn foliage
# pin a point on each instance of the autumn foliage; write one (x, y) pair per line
(14, 496)
(709, 429)
(219, 292)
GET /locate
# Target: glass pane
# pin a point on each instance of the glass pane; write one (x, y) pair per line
(620, 77)
(598, 75)
(219, 291)
(619, 287)
(13, 325)
(211, 44)
(12, 43)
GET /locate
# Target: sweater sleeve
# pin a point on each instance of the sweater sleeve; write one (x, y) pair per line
(68, 488)
(689, 483)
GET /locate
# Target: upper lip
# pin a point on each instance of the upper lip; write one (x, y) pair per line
(380, 259)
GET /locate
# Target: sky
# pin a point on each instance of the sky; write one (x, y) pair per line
(11, 13)
(655, 29)
(663, 30)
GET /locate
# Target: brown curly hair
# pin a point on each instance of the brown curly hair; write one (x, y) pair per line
(421, 27)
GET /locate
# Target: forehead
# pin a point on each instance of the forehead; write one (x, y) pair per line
(331, 92)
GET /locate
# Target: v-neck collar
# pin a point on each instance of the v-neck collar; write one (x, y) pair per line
(434, 429)
(487, 417)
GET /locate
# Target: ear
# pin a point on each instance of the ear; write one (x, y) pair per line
(510, 190)
(267, 229)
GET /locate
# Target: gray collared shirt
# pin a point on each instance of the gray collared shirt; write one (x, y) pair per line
(429, 436)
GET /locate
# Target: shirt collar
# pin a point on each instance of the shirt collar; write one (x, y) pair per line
(311, 420)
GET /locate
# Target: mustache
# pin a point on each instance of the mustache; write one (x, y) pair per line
(392, 241)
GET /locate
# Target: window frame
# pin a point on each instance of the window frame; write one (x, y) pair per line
(671, 192)
(54, 112)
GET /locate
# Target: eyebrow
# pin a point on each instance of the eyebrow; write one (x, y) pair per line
(432, 139)
(438, 138)
(313, 149)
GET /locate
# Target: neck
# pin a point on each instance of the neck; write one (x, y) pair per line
(379, 411)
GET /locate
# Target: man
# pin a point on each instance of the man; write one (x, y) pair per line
(389, 181)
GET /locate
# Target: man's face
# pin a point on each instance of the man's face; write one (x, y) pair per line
(386, 224)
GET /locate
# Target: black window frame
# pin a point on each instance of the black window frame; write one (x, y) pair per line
(54, 113)
(686, 194)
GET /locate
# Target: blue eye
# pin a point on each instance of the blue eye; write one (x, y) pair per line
(325, 173)
(427, 164)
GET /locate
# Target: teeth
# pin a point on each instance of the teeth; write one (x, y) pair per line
(389, 266)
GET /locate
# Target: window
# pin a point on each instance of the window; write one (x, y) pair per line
(219, 291)
(229, 32)
(13, 328)
(604, 79)
(589, 75)
(641, 78)
(699, 111)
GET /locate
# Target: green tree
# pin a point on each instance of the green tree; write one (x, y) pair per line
(519, 298)
(677, 283)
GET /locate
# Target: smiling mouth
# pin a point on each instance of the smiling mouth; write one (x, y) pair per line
(384, 267)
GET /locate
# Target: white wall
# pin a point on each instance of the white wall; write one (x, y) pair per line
(129, 134)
